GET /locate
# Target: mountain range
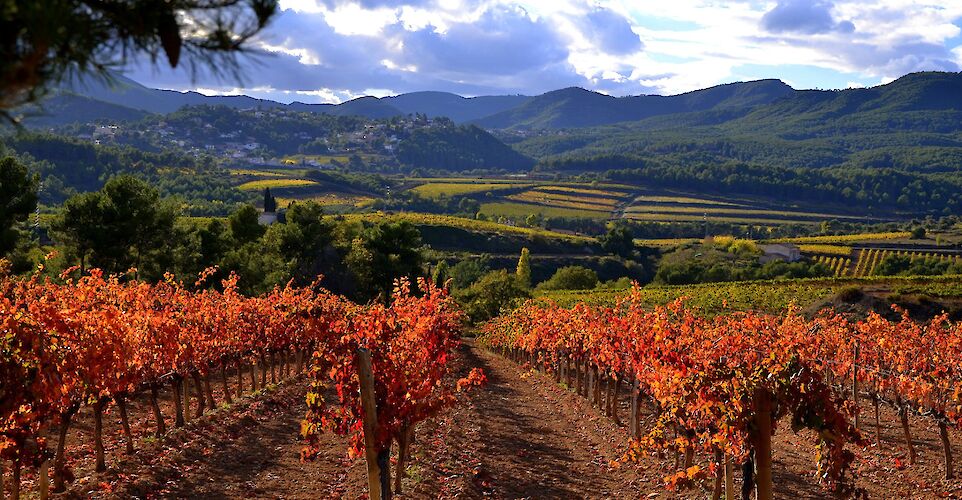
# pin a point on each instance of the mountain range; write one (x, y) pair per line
(123, 98)
(759, 102)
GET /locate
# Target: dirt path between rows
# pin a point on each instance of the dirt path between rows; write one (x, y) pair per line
(521, 436)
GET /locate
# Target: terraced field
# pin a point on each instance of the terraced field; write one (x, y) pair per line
(657, 207)
(329, 200)
(518, 211)
(275, 184)
(436, 190)
(846, 238)
(419, 219)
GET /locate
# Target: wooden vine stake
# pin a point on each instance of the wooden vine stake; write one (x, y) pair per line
(763, 445)
(45, 480)
(946, 448)
(729, 478)
(378, 461)
(855, 384)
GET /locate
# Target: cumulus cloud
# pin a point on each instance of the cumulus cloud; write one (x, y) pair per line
(331, 50)
(609, 31)
(804, 16)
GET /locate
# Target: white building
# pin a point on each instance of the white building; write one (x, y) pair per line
(781, 251)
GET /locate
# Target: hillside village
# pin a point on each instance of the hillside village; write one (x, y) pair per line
(242, 140)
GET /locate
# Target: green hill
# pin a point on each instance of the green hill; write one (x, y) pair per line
(575, 107)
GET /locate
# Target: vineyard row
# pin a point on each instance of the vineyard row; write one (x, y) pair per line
(718, 383)
(96, 341)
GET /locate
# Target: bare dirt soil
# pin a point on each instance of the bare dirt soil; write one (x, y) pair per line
(521, 436)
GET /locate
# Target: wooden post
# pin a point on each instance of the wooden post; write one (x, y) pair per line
(904, 418)
(101, 464)
(946, 448)
(121, 403)
(578, 377)
(595, 385)
(719, 476)
(209, 393)
(378, 468)
(729, 478)
(3, 480)
(748, 476)
(634, 421)
(178, 403)
(60, 463)
(158, 416)
(224, 382)
(44, 480)
(763, 445)
(263, 371)
(403, 447)
(15, 486)
(199, 392)
(240, 379)
(878, 425)
(855, 385)
(614, 399)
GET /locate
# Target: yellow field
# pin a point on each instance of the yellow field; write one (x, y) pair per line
(547, 199)
(328, 199)
(435, 190)
(827, 249)
(275, 183)
(666, 242)
(255, 173)
(844, 238)
(789, 215)
(587, 191)
(467, 224)
(681, 200)
(521, 210)
(682, 217)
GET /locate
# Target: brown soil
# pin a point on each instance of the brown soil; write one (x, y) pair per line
(522, 436)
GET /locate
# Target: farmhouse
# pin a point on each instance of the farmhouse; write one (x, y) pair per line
(782, 251)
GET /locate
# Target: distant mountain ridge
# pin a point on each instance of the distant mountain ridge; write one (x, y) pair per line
(576, 107)
(571, 107)
(763, 105)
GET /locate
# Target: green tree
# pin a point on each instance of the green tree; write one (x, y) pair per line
(18, 190)
(46, 41)
(77, 226)
(382, 254)
(571, 278)
(244, 225)
(124, 225)
(270, 203)
(465, 273)
(441, 273)
(304, 241)
(618, 240)
(523, 272)
(491, 294)
(918, 233)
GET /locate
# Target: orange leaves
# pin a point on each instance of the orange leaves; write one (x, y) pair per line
(702, 373)
(97, 336)
(411, 343)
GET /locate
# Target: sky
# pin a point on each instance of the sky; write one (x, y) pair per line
(336, 50)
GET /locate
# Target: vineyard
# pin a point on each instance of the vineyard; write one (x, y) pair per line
(720, 385)
(843, 261)
(700, 383)
(95, 342)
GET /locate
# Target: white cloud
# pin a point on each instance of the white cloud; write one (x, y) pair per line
(341, 47)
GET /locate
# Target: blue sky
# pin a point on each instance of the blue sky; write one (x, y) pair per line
(333, 50)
